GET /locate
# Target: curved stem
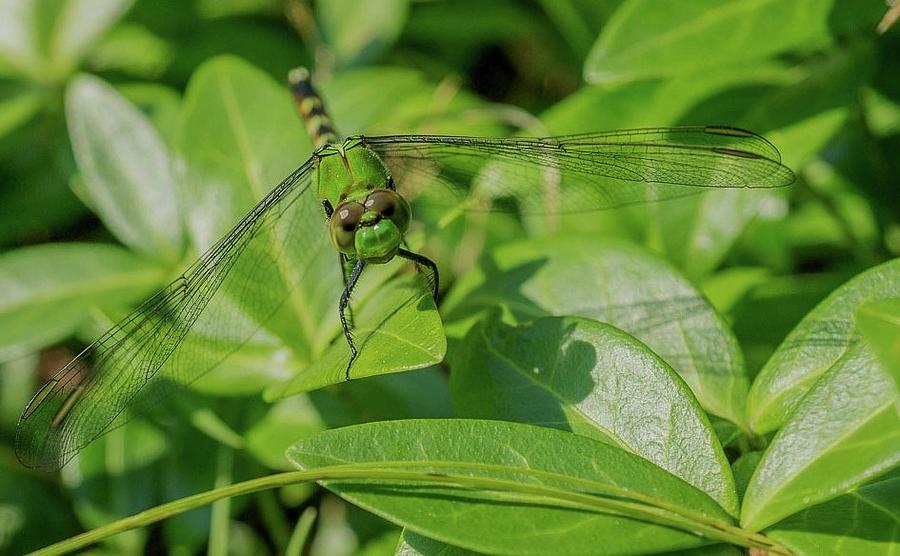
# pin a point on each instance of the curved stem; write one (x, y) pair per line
(517, 491)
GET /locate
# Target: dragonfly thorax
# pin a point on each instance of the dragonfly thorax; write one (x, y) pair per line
(369, 219)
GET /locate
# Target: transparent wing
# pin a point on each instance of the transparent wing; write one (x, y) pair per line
(579, 173)
(184, 330)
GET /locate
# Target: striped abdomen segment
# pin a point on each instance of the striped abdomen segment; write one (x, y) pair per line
(310, 105)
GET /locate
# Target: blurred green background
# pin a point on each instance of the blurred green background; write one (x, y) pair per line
(813, 76)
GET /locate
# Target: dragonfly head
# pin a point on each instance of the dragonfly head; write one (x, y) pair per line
(371, 228)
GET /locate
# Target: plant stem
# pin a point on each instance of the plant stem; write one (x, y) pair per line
(301, 532)
(528, 493)
(220, 516)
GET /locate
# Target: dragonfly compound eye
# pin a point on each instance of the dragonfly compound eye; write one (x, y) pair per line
(343, 226)
(389, 205)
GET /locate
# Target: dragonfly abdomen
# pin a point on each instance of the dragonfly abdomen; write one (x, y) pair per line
(311, 107)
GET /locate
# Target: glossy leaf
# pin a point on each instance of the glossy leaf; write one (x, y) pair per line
(477, 519)
(413, 544)
(865, 521)
(698, 233)
(126, 169)
(595, 380)
(397, 330)
(646, 39)
(619, 284)
(814, 346)
(879, 324)
(844, 432)
(423, 394)
(47, 291)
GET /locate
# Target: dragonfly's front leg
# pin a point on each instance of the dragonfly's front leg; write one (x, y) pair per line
(342, 306)
(426, 262)
(346, 270)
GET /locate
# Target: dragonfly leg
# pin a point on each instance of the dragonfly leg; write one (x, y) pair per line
(345, 300)
(346, 271)
(426, 262)
(329, 210)
(390, 184)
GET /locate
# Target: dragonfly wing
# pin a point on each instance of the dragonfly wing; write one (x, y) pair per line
(184, 330)
(579, 173)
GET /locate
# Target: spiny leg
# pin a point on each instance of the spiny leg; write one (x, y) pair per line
(346, 271)
(343, 260)
(345, 299)
(426, 262)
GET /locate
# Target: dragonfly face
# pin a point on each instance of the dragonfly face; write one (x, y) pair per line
(371, 229)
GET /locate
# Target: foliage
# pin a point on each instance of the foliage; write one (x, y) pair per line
(697, 375)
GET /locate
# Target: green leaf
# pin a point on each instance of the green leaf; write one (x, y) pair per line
(46, 291)
(646, 39)
(866, 521)
(389, 100)
(126, 169)
(799, 118)
(413, 544)
(79, 25)
(162, 104)
(879, 323)
(620, 284)
(595, 380)
(18, 104)
(882, 113)
(359, 32)
(419, 395)
(237, 143)
(768, 311)
(743, 469)
(19, 48)
(814, 345)
(802, 117)
(133, 49)
(240, 136)
(33, 511)
(399, 329)
(843, 433)
(697, 233)
(45, 41)
(479, 519)
(227, 8)
(656, 102)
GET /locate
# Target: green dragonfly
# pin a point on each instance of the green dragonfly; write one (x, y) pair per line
(360, 188)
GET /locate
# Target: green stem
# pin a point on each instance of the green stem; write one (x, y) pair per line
(273, 518)
(529, 493)
(221, 509)
(301, 532)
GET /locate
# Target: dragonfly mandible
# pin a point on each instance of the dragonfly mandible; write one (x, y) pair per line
(362, 186)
